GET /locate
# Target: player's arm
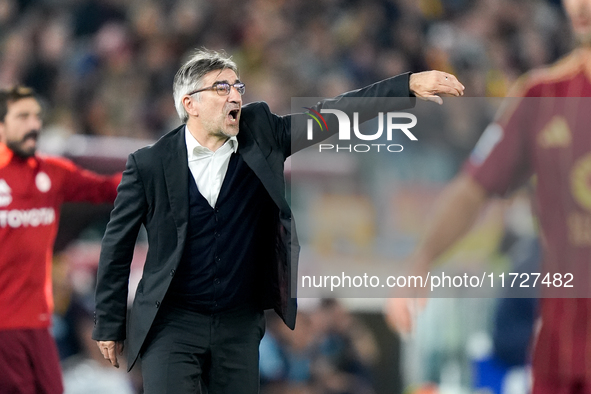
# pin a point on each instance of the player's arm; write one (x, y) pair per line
(499, 163)
(78, 184)
(456, 211)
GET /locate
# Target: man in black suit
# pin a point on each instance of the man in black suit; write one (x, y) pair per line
(222, 244)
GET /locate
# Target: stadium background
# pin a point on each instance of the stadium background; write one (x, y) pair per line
(105, 69)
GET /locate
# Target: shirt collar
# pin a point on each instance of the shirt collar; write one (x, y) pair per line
(195, 150)
(7, 155)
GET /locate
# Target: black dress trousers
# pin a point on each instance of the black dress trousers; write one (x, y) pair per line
(215, 353)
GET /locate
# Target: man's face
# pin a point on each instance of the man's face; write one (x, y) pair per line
(579, 12)
(21, 126)
(219, 115)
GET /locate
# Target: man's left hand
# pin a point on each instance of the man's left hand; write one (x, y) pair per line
(428, 85)
(110, 349)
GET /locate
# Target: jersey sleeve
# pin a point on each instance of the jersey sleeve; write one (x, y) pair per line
(80, 185)
(501, 160)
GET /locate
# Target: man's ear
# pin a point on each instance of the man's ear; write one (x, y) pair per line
(191, 105)
(2, 134)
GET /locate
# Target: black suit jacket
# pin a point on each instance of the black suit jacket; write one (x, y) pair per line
(154, 192)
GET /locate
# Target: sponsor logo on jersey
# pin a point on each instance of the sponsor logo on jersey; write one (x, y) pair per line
(580, 181)
(5, 197)
(36, 217)
(43, 182)
(556, 134)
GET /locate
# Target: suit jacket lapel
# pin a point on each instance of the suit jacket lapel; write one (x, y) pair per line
(254, 158)
(176, 175)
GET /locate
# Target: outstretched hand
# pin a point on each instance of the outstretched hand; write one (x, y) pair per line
(428, 85)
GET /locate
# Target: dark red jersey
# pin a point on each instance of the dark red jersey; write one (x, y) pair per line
(546, 132)
(31, 193)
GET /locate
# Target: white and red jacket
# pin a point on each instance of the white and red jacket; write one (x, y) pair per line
(31, 193)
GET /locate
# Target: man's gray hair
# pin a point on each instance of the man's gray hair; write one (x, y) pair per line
(190, 76)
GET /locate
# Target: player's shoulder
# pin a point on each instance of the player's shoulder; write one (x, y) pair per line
(533, 82)
(55, 163)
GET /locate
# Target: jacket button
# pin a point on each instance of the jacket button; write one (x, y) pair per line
(172, 272)
(157, 304)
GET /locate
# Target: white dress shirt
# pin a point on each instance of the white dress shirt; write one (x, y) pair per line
(209, 168)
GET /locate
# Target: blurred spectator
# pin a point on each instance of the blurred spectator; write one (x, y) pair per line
(88, 372)
(328, 352)
(66, 309)
(84, 371)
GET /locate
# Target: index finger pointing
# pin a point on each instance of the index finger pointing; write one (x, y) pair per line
(450, 81)
(113, 356)
(454, 89)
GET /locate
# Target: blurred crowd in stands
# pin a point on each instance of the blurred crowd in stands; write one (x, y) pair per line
(106, 67)
(330, 352)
